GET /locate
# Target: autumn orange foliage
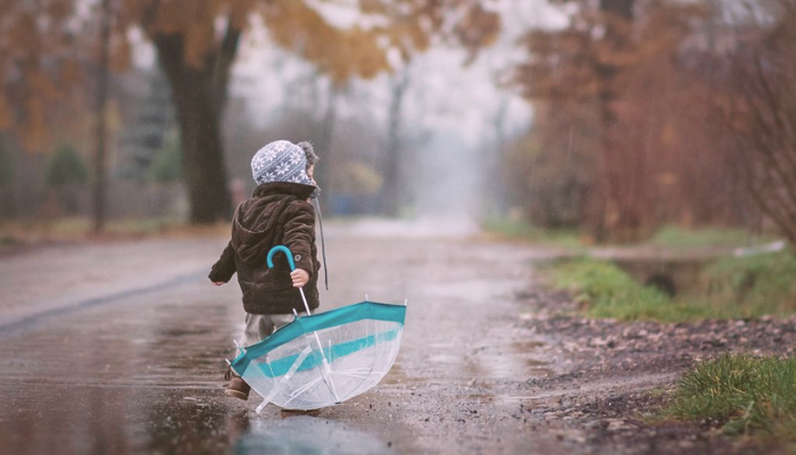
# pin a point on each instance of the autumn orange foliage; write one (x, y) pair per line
(624, 107)
(48, 44)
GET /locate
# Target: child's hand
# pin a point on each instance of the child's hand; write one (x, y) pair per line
(218, 283)
(300, 277)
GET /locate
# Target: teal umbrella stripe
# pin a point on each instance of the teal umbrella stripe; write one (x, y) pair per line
(340, 316)
(277, 368)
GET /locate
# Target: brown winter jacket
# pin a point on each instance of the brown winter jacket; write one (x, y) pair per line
(277, 214)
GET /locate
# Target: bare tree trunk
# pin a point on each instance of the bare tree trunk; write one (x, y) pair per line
(323, 171)
(762, 119)
(392, 195)
(202, 152)
(497, 194)
(199, 94)
(619, 8)
(610, 205)
(101, 114)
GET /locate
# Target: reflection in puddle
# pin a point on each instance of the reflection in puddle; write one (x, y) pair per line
(519, 360)
(306, 435)
(538, 368)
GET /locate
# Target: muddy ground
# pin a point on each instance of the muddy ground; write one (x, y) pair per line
(119, 347)
(619, 375)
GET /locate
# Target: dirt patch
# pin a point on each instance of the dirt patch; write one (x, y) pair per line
(617, 376)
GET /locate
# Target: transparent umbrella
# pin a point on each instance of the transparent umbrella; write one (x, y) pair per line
(323, 359)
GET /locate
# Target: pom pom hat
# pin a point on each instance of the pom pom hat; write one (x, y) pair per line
(283, 161)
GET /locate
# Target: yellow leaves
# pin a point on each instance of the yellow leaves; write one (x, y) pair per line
(403, 25)
(479, 28)
(408, 36)
(200, 24)
(340, 53)
(364, 57)
(33, 50)
(46, 59)
(194, 20)
(239, 13)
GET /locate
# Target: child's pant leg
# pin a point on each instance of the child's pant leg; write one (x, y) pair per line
(281, 320)
(259, 326)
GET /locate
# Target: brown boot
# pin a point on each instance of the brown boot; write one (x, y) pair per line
(238, 388)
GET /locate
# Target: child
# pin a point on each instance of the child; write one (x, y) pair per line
(278, 213)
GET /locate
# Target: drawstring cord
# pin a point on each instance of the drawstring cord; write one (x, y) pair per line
(323, 243)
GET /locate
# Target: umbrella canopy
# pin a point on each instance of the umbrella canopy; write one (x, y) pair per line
(323, 359)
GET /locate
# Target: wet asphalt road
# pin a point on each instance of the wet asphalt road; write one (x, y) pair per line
(119, 348)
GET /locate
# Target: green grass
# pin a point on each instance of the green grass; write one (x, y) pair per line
(608, 292)
(677, 237)
(753, 286)
(670, 236)
(729, 288)
(521, 230)
(742, 393)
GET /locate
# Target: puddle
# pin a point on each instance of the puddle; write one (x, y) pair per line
(174, 332)
(396, 376)
(538, 368)
(528, 345)
(454, 364)
(306, 435)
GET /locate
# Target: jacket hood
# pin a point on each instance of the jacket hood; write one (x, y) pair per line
(256, 219)
(299, 190)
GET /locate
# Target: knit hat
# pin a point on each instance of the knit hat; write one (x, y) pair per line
(282, 161)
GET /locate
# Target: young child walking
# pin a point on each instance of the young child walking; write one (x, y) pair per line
(278, 213)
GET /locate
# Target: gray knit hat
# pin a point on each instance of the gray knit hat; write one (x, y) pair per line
(282, 161)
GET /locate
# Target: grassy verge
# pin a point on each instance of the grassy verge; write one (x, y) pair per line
(606, 291)
(729, 288)
(521, 230)
(741, 393)
(752, 286)
(665, 237)
(677, 237)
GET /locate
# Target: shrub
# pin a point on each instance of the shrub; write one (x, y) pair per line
(66, 167)
(167, 166)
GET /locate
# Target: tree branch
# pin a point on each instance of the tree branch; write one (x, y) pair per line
(222, 62)
(772, 103)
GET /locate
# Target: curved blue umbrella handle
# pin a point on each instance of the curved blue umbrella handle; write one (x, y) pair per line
(292, 264)
(288, 254)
